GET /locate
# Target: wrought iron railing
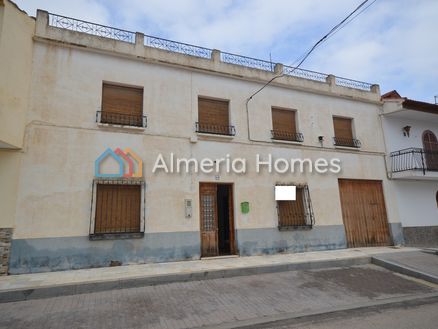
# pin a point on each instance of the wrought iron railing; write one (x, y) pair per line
(177, 47)
(133, 120)
(287, 136)
(305, 74)
(414, 159)
(250, 62)
(215, 129)
(349, 83)
(347, 142)
(78, 25)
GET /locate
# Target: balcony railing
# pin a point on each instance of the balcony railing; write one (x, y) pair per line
(347, 142)
(215, 129)
(133, 120)
(414, 159)
(78, 25)
(287, 136)
(177, 47)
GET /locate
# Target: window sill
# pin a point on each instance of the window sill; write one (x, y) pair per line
(351, 148)
(281, 141)
(122, 127)
(214, 136)
(115, 236)
(295, 228)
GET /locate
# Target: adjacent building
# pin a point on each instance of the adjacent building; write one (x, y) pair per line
(411, 130)
(100, 107)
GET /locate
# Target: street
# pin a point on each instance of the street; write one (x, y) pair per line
(418, 317)
(224, 301)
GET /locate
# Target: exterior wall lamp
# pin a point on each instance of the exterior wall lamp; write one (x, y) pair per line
(406, 130)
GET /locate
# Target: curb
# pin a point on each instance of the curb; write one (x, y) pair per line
(14, 295)
(403, 269)
(302, 317)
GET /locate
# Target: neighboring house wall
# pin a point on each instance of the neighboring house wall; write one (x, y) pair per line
(63, 140)
(415, 195)
(16, 31)
(16, 45)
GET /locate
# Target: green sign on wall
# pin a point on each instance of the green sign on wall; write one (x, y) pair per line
(244, 207)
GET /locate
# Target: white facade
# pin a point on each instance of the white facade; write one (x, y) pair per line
(414, 184)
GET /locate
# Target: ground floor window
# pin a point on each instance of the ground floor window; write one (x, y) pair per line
(118, 207)
(298, 213)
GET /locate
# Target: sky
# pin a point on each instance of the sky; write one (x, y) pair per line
(393, 43)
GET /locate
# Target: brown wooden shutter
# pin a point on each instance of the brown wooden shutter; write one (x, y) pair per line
(213, 112)
(123, 100)
(291, 213)
(118, 208)
(283, 121)
(343, 128)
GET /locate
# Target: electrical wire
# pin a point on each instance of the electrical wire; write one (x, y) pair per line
(333, 31)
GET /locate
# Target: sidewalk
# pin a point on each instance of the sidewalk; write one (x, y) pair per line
(42, 285)
(419, 264)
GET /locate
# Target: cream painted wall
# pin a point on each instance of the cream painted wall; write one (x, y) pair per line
(9, 177)
(16, 31)
(63, 141)
(48, 184)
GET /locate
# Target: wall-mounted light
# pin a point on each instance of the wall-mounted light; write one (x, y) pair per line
(321, 140)
(406, 130)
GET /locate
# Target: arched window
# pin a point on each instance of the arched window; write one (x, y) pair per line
(430, 146)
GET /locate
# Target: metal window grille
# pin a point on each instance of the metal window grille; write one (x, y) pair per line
(120, 210)
(296, 216)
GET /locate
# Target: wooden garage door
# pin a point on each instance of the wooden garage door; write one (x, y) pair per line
(364, 213)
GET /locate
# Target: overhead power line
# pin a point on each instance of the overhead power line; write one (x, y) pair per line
(333, 31)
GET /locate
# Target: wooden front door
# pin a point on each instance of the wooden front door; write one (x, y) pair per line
(430, 145)
(217, 221)
(364, 213)
(209, 220)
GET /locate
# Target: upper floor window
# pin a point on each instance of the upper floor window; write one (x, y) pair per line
(298, 213)
(122, 105)
(214, 117)
(344, 132)
(430, 146)
(284, 126)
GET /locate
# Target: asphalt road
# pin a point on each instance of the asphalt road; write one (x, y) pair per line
(219, 301)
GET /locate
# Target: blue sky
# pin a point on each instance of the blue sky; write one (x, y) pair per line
(394, 43)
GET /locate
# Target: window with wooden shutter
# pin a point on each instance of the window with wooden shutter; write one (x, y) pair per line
(118, 208)
(297, 213)
(213, 117)
(344, 132)
(122, 105)
(284, 125)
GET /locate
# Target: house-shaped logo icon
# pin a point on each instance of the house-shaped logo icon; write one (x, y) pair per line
(127, 163)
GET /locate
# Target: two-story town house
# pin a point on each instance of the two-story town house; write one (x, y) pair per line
(104, 107)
